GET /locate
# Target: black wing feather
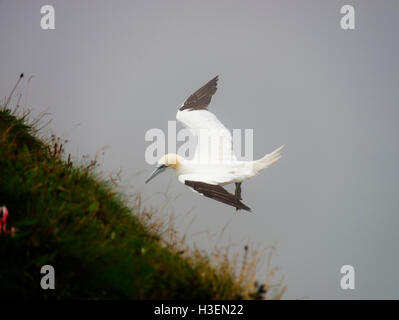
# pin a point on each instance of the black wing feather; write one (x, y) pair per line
(217, 193)
(201, 98)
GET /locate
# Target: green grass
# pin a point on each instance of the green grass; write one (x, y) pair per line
(68, 217)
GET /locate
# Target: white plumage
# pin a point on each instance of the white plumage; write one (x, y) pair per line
(214, 139)
(214, 164)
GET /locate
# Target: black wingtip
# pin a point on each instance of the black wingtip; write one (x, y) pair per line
(214, 80)
(244, 207)
(248, 209)
(201, 98)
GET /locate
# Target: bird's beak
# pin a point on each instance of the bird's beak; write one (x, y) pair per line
(157, 171)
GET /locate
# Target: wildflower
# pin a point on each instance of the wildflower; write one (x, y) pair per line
(3, 222)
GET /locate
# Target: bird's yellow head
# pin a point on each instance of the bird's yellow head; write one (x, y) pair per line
(169, 160)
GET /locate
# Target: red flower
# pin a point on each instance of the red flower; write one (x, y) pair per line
(3, 222)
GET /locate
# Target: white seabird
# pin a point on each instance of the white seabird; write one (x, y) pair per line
(214, 164)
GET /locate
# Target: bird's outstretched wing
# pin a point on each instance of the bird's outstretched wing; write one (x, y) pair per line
(201, 98)
(217, 193)
(214, 139)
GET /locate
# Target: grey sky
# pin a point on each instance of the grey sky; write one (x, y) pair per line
(112, 70)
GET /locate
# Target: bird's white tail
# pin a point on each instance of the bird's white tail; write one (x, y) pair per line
(267, 160)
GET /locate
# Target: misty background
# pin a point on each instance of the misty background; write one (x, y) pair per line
(110, 71)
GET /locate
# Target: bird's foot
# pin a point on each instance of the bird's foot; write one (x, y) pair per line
(238, 190)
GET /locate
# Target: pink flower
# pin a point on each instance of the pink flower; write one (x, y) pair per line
(3, 222)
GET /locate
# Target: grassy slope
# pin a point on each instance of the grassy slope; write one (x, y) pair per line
(68, 218)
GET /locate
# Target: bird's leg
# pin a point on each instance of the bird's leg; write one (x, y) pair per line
(238, 190)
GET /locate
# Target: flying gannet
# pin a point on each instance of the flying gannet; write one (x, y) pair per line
(214, 164)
